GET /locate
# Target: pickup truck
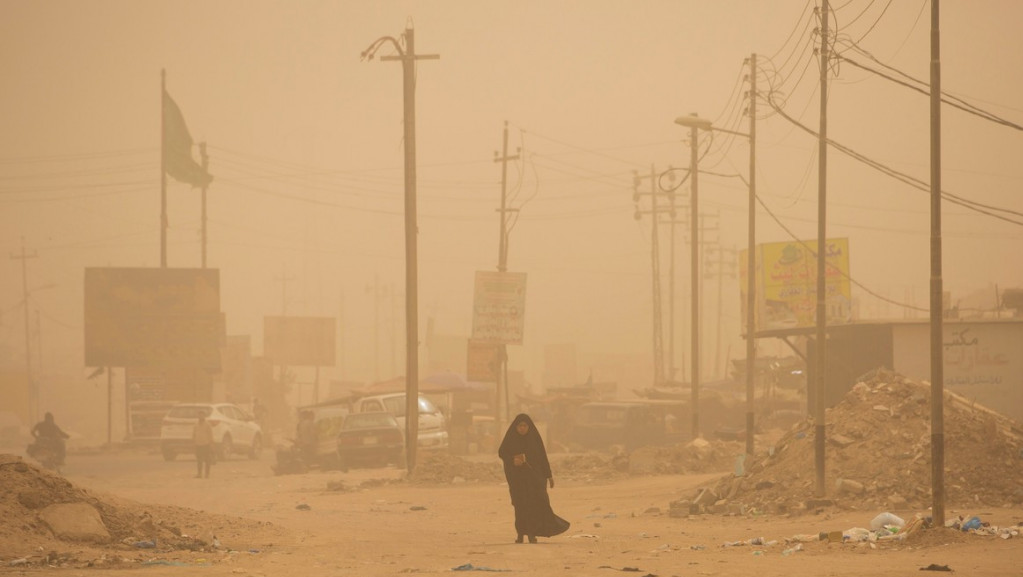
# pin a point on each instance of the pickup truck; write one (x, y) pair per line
(433, 427)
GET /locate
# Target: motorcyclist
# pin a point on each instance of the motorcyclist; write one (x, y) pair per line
(46, 432)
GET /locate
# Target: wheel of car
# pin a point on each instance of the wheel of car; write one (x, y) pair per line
(225, 447)
(256, 448)
(169, 455)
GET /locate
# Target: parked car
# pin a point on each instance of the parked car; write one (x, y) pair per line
(629, 424)
(370, 439)
(433, 426)
(234, 430)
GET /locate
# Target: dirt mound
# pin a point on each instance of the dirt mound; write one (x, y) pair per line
(136, 533)
(696, 457)
(879, 456)
(439, 467)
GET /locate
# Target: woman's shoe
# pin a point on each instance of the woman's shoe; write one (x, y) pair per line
(532, 539)
(518, 539)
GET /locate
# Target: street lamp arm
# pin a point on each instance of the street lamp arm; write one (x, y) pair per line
(368, 53)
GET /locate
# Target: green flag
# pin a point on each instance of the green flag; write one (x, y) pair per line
(177, 147)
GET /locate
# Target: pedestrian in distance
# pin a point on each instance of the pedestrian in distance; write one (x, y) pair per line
(202, 437)
(528, 473)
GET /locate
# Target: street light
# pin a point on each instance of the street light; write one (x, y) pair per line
(695, 123)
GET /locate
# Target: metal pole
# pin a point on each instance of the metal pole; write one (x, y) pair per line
(822, 297)
(163, 169)
(694, 279)
(206, 170)
(33, 394)
(751, 268)
(937, 306)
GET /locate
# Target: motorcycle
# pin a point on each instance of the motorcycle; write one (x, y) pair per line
(47, 452)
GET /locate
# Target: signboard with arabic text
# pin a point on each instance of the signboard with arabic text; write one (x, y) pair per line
(499, 303)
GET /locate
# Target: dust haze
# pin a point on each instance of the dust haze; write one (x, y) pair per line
(305, 142)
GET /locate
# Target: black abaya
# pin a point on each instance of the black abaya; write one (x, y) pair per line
(527, 483)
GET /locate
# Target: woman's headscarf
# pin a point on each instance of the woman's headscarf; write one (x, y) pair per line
(531, 444)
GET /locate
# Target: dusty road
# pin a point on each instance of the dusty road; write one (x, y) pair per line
(376, 524)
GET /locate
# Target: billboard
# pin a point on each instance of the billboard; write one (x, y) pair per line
(299, 341)
(499, 304)
(153, 317)
(482, 362)
(786, 284)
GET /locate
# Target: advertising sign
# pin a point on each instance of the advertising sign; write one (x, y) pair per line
(483, 360)
(299, 341)
(786, 284)
(498, 307)
(153, 317)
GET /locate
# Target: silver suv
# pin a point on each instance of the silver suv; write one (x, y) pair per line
(234, 430)
(433, 427)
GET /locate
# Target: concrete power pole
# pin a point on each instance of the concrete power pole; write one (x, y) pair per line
(33, 391)
(820, 362)
(501, 390)
(407, 56)
(655, 263)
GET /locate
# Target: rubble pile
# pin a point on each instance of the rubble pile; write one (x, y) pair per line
(45, 514)
(699, 456)
(440, 467)
(878, 456)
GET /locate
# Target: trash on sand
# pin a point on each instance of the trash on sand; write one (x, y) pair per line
(936, 567)
(145, 544)
(790, 550)
(471, 567)
(303, 507)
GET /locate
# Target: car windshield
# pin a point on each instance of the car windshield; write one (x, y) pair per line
(189, 412)
(369, 421)
(396, 406)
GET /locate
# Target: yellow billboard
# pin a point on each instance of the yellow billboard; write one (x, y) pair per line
(786, 284)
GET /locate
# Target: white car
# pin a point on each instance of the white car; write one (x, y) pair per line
(234, 430)
(433, 427)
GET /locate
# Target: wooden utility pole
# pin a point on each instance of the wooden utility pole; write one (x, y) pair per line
(937, 304)
(407, 56)
(751, 268)
(501, 388)
(33, 391)
(206, 169)
(822, 237)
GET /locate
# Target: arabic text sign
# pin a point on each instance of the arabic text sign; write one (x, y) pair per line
(498, 307)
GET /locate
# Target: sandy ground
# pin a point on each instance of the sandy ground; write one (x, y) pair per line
(378, 525)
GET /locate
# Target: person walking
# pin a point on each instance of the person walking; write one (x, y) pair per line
(528, 473)
(202, 437)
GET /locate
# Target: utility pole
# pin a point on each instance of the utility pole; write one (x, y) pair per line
(751, 268)
(283, 279)
(33, 392)
(937, 304)
(655, 265)
(206, 169)
(501, 388)
(408, 57)
(822, 296)
(720, 268)
(378, 293)
(163, 169)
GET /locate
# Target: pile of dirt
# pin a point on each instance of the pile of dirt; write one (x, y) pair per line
(49, 521)
(439, 467)
(696, 457)
(878, 456)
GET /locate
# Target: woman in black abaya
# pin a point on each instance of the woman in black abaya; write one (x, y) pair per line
(528, 473)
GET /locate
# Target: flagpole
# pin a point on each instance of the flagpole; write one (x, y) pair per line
(163, 169)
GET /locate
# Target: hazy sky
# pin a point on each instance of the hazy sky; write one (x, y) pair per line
(305, 142)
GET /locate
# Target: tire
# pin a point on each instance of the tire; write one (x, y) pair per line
(225, 448)
(256, 448)
(168, 454)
